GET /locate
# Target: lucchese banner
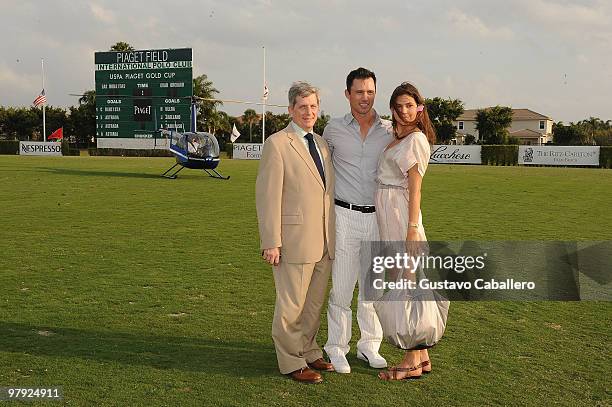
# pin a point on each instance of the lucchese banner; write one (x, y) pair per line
(454, 154)
(39, 148)
(558, 155)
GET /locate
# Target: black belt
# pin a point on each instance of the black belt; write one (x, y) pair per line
(358, 208)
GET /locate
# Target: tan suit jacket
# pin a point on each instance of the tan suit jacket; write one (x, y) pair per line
(295, 209)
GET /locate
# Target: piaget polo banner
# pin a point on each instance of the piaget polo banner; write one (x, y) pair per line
(247, 151)
(39, 148)
(451, 154)
(558, 155)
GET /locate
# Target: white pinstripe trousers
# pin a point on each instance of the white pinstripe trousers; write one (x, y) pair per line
(352, 228)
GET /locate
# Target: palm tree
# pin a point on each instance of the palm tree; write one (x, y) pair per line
(203, 88)
(122, 46)
(593, 123)
(250, 116)
(218, 121)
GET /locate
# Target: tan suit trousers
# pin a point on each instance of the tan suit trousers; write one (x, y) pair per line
(300, 294)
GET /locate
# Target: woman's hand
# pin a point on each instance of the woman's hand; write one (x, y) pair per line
(415, 247)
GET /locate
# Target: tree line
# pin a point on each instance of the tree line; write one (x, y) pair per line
(79, 122)
(493, 124)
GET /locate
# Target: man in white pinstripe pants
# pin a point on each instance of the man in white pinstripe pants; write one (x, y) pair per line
(357, 140)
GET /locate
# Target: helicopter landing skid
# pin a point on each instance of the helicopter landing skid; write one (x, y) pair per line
(172, 175)
(215, 174)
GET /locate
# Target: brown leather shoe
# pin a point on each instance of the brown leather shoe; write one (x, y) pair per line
(306, 375)
(321, 364)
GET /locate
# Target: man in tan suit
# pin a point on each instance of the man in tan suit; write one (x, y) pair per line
(294, 196)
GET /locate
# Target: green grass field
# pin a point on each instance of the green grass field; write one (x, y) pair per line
(128, 289)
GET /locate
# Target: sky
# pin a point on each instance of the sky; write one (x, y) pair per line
(551, 56)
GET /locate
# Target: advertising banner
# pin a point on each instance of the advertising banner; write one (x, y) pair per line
(453, 154)
(559, 155)
(247, 151)
(39, 148)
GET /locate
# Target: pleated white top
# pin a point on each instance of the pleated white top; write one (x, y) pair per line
(395, 162)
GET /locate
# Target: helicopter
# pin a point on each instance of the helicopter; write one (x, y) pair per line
(193, 149)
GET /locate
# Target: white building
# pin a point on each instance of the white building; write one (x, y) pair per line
(528, 127)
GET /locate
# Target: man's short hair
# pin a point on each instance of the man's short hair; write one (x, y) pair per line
(302, 89)
(359, 73)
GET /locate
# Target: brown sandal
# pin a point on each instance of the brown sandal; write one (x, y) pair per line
(425, 364)
(391, 374)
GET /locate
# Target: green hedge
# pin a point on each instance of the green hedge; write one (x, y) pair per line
(125, 152)
(605, 157)
(70, 149)
(9, 147)
(499, 154)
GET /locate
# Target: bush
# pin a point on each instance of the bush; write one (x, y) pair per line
(9, 147)
(70, 149)
(469, 140)
(229, 149)
(605, 156)
(499, 154)
(125, 152)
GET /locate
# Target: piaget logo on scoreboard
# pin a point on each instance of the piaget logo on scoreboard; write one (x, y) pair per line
(138, 92)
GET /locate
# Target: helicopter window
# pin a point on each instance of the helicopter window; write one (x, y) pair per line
(180, 141)
(194, 146)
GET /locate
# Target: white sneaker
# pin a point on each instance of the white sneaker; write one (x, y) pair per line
(373, 358)
(340, 363)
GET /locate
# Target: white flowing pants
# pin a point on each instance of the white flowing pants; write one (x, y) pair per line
(352, 227)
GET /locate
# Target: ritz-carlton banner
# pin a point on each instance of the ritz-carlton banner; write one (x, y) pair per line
(138, 92)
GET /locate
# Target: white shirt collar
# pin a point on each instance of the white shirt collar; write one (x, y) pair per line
(300, 131)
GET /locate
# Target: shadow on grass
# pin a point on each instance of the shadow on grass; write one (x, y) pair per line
(72, 171)
(232, 358)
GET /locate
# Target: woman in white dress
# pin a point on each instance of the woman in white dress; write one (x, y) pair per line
(398, 199)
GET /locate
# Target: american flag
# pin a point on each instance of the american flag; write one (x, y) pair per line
(40, 99)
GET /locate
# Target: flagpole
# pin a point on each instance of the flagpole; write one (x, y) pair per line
(42, 65)
(263, 125)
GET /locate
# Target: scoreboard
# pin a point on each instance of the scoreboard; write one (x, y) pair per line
(138, 92)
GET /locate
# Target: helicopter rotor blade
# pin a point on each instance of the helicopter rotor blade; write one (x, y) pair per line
(245, 102)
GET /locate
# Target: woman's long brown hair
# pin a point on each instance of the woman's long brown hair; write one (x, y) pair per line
(422, 120)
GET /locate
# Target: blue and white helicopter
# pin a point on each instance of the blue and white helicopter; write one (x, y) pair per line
(193, 149)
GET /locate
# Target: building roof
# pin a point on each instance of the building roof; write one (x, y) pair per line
(517, 114)
(525, 133)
